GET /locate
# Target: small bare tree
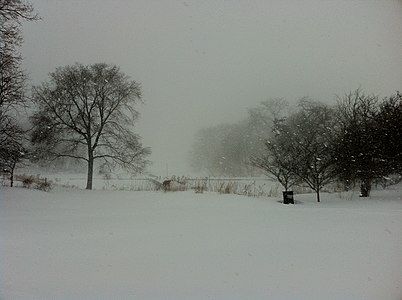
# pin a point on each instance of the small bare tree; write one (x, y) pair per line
(300, 148)
(88, 113)
(313, 131)
(279, 160)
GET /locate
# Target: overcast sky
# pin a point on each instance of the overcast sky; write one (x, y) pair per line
(202, 63)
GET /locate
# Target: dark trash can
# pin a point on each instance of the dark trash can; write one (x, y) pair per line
(288, 197)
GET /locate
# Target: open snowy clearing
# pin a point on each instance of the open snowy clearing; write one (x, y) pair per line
(77, 244)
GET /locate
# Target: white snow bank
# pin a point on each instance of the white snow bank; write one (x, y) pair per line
(77, 244)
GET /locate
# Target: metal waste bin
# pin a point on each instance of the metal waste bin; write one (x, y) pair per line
(288, 197)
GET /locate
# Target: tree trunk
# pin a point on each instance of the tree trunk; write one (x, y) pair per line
(11, 178)
(318, 196)
(365, 188)
(12, 174)
(90, 172)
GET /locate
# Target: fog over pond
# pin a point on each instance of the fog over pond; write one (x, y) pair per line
(203, 63)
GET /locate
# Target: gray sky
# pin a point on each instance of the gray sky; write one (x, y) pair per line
(205, 62)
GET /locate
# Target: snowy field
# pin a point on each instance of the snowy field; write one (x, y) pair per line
(77, 244)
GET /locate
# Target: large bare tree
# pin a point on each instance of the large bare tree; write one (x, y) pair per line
(88, 113)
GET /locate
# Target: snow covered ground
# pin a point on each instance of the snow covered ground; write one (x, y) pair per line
(77, 244)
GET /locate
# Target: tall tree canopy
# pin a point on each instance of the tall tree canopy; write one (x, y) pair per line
(12, 78)
(389, 134)
(88, 113)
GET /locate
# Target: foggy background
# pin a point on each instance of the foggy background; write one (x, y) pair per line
(202, 63)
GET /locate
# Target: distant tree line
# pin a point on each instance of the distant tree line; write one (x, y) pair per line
(225, 150)
(356, 141)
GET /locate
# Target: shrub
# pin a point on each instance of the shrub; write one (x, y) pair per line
(172, 185)
(44, 185)
(27, 181)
